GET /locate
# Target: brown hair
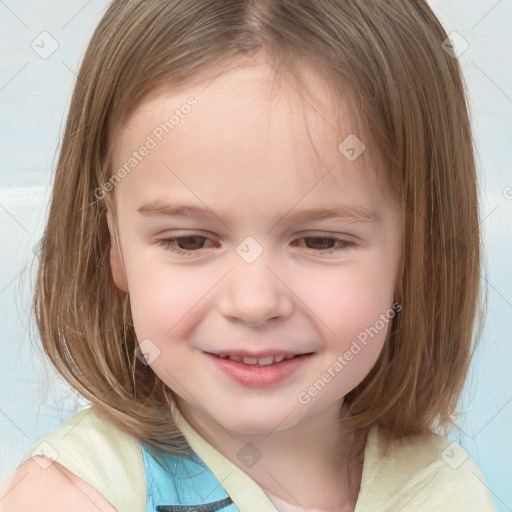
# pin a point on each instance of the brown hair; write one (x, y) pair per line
(409, 92)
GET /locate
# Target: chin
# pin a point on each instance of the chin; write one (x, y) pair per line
(258, 421)
(247, 427)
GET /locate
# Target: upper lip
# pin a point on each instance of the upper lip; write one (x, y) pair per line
(259, 354)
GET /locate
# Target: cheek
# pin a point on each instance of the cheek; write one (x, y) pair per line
(353, 296)
(358, 320)
(164, 299)
(353, 307)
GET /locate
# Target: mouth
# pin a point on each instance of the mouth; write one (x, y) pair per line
(261, 369)
(259, 361)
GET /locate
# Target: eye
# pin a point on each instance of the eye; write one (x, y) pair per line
(184, 245)
(327, 243)
(190, 244)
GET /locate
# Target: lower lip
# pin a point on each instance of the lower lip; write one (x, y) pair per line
(256, 376)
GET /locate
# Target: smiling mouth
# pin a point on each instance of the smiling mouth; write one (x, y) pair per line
(259, 361)
(251, 371)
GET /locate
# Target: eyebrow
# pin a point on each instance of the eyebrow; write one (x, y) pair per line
(349, 213)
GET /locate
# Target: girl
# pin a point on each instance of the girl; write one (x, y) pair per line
(261, 264)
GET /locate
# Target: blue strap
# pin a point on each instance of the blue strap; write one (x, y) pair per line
(185, 485)
(208, 507)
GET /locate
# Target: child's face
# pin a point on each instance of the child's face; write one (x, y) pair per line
(257, 275)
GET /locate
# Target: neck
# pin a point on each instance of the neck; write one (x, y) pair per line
(312, 465)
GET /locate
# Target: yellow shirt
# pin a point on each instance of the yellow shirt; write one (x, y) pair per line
(418, 474)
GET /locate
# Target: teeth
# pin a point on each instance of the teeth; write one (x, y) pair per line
(262, 361)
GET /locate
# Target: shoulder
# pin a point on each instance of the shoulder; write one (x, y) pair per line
(41, 485)
(90, 450)
(427, 472)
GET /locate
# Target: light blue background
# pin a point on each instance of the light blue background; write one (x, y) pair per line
(34, 98)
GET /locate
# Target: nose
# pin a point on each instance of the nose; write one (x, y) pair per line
(254, 294)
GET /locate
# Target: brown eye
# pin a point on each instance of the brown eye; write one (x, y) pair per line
(326, 243)
(320, 243)
(191, 243)
(184, 245)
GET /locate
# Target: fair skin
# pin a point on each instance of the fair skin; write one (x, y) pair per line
(246, 159)
(40, 485)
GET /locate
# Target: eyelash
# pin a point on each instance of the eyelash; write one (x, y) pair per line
(171, 244)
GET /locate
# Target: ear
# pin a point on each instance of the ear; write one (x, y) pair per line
(116, 263)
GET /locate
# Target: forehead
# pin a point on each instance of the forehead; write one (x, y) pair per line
(242, 127)
(242, 92)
